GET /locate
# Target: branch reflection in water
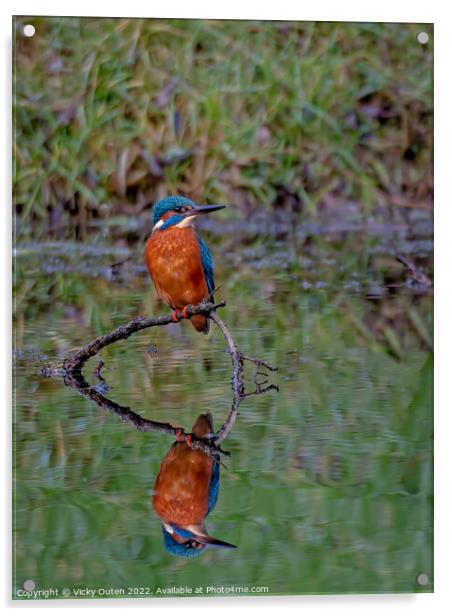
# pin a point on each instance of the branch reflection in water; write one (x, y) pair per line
(187, 485)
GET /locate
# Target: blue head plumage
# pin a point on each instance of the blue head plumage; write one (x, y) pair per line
(168, 204)
(186, 550)
(193, 544)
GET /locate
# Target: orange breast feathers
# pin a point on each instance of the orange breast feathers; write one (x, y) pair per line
(173, 259)
(181, 492)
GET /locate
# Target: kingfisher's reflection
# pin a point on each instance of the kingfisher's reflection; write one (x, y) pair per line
(186, 491)
(187, 485)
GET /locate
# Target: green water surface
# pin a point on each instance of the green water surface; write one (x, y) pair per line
(329, 485)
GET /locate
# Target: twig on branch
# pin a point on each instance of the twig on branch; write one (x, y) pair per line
(416, 276)
(98, 370)
(257, 372)
(261, 388)
(258, 362)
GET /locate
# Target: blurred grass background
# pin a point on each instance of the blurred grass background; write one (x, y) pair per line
(112, 114)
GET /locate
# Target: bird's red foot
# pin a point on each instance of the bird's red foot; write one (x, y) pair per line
(183, 438)
(176, 315)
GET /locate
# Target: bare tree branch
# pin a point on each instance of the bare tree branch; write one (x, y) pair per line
(77, 382)
(238, 387)
(237, 379)
(71, 368)
(76, 362)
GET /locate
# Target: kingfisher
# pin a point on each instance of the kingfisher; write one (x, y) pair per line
(178, 260)
(186, 491)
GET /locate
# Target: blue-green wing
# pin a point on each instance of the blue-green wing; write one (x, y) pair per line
(214, 486)
(207, 265)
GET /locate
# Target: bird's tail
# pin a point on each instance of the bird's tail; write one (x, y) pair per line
(203, 427)
(200, 323)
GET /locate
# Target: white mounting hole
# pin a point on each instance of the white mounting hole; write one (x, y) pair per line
(29, 30)
(423, 38)
(422, 579)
